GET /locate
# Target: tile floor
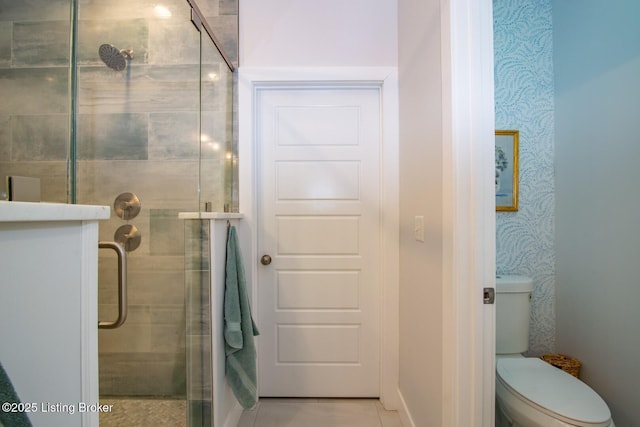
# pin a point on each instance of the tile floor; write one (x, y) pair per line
(268, 412)
(319, 413)
(144, 412)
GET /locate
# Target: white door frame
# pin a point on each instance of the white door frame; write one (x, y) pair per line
(469, 204)
(252, 79)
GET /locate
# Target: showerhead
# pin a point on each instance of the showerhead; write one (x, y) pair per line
(113, 57)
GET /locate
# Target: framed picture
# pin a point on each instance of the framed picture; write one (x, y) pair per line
(507, 170)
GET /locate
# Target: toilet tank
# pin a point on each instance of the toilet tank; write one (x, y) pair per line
(513, 309)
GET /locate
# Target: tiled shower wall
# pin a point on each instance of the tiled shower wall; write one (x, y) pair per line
(137, 131)
(145, 121)
(34, 84)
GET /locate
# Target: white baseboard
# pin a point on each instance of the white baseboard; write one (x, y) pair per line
(233, 417)
(403, 411)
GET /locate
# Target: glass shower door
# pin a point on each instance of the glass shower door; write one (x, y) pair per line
(138, 150)
(126, 103)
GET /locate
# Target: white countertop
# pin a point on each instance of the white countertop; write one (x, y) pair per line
(210, 215)
(29, 212)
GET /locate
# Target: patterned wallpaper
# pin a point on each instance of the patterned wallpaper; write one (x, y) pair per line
(524, 94)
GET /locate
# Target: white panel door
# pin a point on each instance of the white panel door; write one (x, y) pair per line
(319, 221)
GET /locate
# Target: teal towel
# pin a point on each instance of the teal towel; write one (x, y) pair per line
(239, 328)
(8, 395)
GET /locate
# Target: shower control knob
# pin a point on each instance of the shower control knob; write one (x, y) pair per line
(265, 260)
(128, 236)
(127, 206)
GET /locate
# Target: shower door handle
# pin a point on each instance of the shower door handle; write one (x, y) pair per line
(122, 285)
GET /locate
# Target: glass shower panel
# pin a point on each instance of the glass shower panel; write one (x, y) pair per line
(35, 92)
(216, 182)
(218, 150)
(138, 128)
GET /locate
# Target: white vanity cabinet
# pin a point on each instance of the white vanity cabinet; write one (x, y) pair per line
(48, 309)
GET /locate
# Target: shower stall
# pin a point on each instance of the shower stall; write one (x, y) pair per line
(130, 103)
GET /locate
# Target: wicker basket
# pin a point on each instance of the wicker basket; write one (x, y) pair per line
(566, 363)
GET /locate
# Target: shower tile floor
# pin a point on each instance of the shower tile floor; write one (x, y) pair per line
(319, 413)
(140, 412)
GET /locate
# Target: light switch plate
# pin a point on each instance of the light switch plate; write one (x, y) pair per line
(418, 228)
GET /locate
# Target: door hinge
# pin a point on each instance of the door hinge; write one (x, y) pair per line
(489, 295)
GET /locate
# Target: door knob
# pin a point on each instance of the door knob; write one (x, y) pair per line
(265, 260)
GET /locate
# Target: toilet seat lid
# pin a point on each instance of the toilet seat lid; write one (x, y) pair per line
(553, 389)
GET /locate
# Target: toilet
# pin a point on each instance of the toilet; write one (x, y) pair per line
(529, 391)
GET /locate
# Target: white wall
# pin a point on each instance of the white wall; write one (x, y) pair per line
(421, 275)
(282, 33)
(597, 64)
